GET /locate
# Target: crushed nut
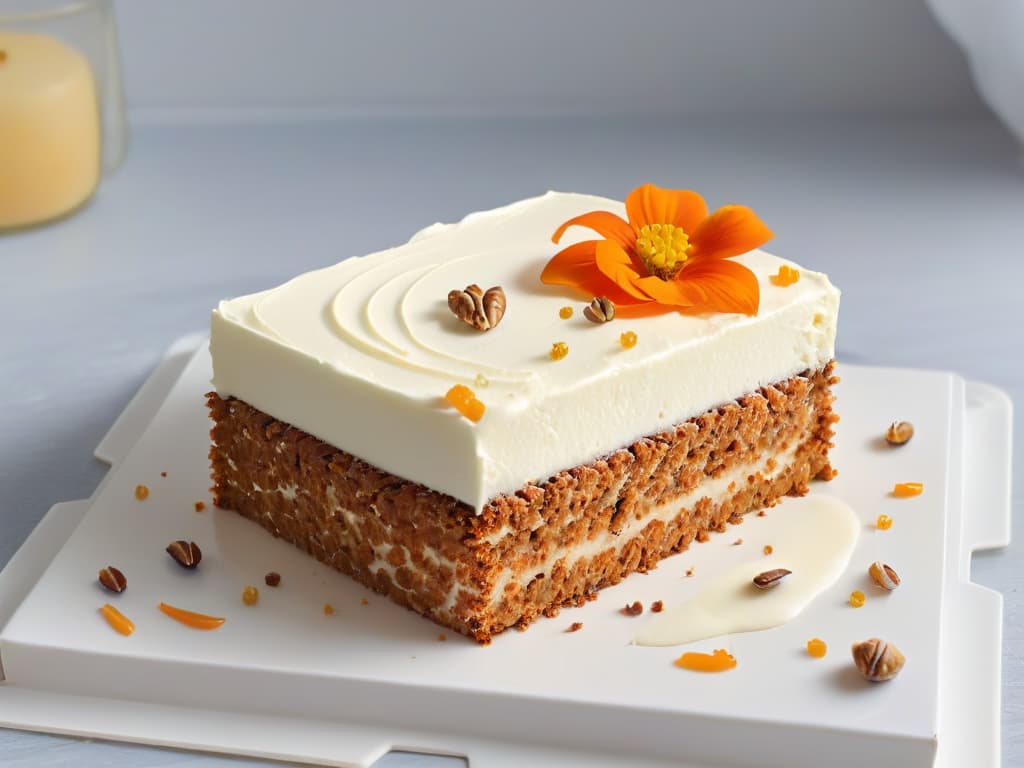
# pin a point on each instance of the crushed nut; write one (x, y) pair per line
(857, 598)
(633, 609)
(816, 648)
(250, 595)
(628, 340)
(883, 575)
(737, 542)
(905, 490)
(141, 492)
(883, 523)
(576, 626)
(481, 309)
(272, 579)
(565, 313)
(559, 350)
(112, 578)
(877, 660)
(185, 553)
(657, 606)
(599, 310)
(770, 579)
(163, 474)
(899, 432)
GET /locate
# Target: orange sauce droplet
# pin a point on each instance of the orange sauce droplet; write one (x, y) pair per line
(191, 618)
(117, 620)
(905, 490)
(565, 313)
(141, 492)
(817, 648)
(786, 276)
(719, 661)
(883, 523)
(463, 399)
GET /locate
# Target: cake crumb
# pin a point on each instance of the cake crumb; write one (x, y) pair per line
(272, 579)
(328, 609)
(633, 609)
(442, 637)
(364, 601)
(689, 571)
(163, 474)
(762, 513)
(737, 542)
(141, 492)
(200, 506)
(576, 626)
(657, 606)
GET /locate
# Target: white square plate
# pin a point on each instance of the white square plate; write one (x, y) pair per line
(281, 679)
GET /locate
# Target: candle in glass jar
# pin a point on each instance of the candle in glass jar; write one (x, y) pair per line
(49, 129)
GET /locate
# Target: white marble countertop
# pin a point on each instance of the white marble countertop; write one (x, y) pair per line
(919, 221)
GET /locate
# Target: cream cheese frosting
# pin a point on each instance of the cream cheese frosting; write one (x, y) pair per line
(360, 354)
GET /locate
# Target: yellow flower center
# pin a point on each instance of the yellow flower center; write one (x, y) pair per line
(664, 248)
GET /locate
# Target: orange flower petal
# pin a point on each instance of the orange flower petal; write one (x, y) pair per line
(571, 265)
(576, 267)
(617, 266)
(714, 285)
(605, 223)
(729, 231)
(653, 205)
(643, 309)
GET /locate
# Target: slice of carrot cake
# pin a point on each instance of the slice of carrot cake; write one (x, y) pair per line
(485, 425)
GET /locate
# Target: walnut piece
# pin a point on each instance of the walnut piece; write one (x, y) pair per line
(481, 309)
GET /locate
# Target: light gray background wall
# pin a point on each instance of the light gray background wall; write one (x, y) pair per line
(538, 57)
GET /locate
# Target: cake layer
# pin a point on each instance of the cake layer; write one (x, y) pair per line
(360, 355)
(548, 544)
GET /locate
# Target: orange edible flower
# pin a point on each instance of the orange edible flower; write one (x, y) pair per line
(462, 398)
(905, 490)
(191, 618)
(786, 276)
(117, 620)
(671, 256)
(719, 661)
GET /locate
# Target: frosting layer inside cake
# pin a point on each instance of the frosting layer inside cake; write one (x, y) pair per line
(360, 354)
